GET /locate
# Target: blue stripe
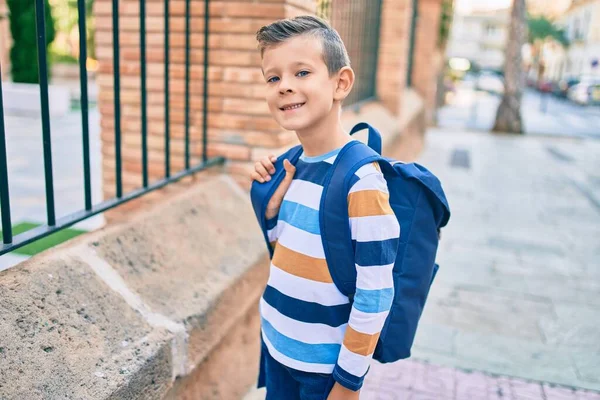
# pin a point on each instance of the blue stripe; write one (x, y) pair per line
(373, 301)
(305, 311)
(300, 216)
(350, 381)
(310, 172)
(300, 351)
(376, 253)
(322, 157)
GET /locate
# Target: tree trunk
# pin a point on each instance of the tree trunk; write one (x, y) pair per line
(508, 116)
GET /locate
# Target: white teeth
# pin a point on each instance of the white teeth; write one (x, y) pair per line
(293, 107)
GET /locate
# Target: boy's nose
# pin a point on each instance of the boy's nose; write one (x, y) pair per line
(285, 87)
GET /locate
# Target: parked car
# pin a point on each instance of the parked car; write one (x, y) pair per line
(586, 92)
(561, 88)
(490, 82)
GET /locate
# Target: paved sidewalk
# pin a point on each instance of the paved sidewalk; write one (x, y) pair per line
(518, 290)
(417, 380)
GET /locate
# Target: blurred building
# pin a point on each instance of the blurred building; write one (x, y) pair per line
(480, 37)
(549, 8)
(582, 57)
(4, 39)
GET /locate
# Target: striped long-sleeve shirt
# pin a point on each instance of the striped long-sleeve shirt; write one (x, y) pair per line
(307, 323)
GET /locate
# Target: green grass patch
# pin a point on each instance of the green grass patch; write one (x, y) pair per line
(42, 244)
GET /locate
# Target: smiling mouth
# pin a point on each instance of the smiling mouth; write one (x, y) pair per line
(292, 107)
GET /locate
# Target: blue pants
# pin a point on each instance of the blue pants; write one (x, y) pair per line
(285, 383)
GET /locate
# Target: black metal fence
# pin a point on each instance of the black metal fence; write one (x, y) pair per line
(53, 224)
(358, 23)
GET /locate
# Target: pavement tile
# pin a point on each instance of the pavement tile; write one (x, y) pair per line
(559, 393)
(471, 385)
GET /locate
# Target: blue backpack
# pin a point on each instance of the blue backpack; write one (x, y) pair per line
(417, 198)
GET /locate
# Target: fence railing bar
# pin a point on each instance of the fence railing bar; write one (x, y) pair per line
(43, 231)
(85, 124)
(4, 192)
(117, 105)
(40, 26)
(143, 105)
(205, 84)
(167, 114)
(187, 84)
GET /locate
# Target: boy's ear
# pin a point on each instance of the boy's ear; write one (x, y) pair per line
(345, 81)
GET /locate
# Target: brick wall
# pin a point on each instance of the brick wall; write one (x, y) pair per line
(393, 50)
(239, 123)
(427, 56)
(240, 127)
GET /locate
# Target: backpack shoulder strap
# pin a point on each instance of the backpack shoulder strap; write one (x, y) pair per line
(261, 193)
(333, 215)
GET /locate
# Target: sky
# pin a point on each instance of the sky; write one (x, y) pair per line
(549, 7)
(467, 5)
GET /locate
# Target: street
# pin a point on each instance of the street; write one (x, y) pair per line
(543, 114)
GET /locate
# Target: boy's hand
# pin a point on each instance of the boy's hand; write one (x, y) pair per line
(263, 170)
(341, 393)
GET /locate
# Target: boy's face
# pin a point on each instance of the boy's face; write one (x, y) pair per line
(300, 92)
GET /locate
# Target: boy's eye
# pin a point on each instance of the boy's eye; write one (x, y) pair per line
(302, 73)
(272, 79)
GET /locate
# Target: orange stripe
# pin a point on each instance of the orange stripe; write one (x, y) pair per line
(366, 203)
(360, 343)
(301, 265)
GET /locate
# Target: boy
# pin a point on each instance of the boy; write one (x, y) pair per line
(317, 343)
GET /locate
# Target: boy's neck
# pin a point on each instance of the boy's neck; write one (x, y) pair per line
(324, 137)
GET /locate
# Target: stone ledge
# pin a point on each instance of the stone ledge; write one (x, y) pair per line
(122, 312)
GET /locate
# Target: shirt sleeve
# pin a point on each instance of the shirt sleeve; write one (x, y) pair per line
(375, 234)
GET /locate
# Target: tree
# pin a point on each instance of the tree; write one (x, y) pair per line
(23, 53)
(540, 30)
(508, 116)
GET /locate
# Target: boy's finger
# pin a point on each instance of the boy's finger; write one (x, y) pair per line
(262, 171)
(268, 165)
(290, 169)
(277, 197)
(272, 158)
(256, 177)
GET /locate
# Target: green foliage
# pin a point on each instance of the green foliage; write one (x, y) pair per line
(67, 26)
(23, 53)
(541, 28)
(42, 244)
(445, 22)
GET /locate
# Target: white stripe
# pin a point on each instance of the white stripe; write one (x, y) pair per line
(301, 241)
(295, 364)
(374, 277)
(368, 323)
(302, 331)
(274, 233)
(366, 170)
(304, 192)
(326, 294)
(331, 159)
(374, 228)
(371, 182)
(353, 363)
